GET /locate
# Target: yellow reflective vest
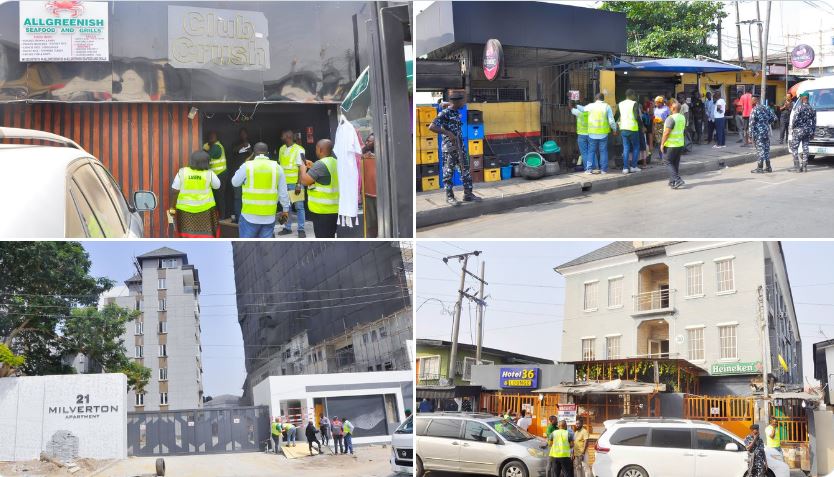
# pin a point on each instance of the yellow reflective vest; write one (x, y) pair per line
(598, 118)
(260, 191)
(286, 157)
(324, 199)
(195, 190)
(776, 440)
(675, 138)
(627, 120)
(217, 165)
(582, 123)
(561, 443)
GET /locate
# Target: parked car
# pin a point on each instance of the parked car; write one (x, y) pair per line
(402, 448)
(675, 448)
(821, 97)
(60, 190)
(470, 443)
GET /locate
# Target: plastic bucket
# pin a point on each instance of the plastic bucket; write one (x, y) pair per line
(533, 159)
(550, 147)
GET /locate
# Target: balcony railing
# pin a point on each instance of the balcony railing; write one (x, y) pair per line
(653, 301)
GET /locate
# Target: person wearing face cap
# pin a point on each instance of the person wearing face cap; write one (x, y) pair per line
(803, 123)
(449, 124)
(262, 185)
(761, 117)
(195, 212)
(756, 461)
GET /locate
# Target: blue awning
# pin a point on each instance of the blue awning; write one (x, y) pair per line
(677, 65)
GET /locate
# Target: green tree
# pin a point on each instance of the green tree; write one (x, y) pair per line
(138, 376)
(9, 361)
(670, 29)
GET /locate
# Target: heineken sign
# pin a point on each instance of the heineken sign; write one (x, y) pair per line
(720, 369)
(64, 30)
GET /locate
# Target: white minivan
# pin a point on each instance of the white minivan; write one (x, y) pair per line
(675, 448)
(402, 448)
(821, 98)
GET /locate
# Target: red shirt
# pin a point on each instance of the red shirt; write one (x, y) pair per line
(746, 104)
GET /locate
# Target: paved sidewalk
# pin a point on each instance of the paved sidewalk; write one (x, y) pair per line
(500, 196)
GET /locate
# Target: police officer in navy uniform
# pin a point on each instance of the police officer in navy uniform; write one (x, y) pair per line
(449, 124)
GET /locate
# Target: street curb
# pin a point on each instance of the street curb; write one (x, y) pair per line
(466, 210)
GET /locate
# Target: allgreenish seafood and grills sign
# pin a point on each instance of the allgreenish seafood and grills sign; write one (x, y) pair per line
(64, 30)
(752, 367)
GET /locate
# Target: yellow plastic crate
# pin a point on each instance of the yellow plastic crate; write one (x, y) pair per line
(476, 147)
(431, 183)
(423, 129)
(426, 114)
(492, 175)
(427, 143)
(427, 157)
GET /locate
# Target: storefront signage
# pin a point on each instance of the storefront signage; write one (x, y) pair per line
(802, 56)
(210, 38)
(753, 367)
(525, 378)
(64, 30)
(567, 413)
(493, 57)
(777, 70)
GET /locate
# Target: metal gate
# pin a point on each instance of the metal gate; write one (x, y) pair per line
(197, 431)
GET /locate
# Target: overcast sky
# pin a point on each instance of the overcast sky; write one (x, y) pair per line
(223, 369)
(526, 297)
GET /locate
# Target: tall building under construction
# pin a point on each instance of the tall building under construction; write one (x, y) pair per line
(323, 307)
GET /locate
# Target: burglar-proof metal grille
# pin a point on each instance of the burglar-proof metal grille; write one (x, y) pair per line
(497, 95)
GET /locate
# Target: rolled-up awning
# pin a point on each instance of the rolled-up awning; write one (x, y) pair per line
(616, 386)
(677, 65)
(447, 392)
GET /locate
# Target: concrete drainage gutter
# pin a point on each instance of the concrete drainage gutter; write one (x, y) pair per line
(441, 215)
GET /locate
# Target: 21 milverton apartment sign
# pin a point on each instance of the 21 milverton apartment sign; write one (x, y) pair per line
(82, 409)
(752, 367)
(64, 30)
(210, 38)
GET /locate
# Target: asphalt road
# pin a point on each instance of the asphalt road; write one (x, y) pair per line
(730, 202)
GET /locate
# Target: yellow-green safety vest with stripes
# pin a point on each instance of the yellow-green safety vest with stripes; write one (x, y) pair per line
(582, 123)
(598, 118)
(286, 157)
(561, 445)
(627, 120)
(260, 191)
(675, 138)
(195, 190)
(324, 199)
(217, 165)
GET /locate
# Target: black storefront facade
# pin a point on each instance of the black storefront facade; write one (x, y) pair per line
(177, 70)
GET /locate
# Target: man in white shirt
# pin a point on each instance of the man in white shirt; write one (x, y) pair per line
(524, 421)
(720, 120)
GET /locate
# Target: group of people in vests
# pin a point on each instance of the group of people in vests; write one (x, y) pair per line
(340, 430)
(198, 189)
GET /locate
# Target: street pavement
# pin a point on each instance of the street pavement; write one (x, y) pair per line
(369, 461)
(729, 202)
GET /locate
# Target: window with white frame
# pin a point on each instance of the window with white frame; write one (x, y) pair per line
(162, 304)
(429, 367)
(168, 263)
(591, 294)
(695, 279)
(695, 338)
(725, 279)
(139, 353)
(615, 292)
(163, 327)
(163, 374)
(588, 349)
(140, 328)
(163, 399)
(612, 347)
(163, 350)
(728, 341)
(140, 399)
(160, 284)
(467, 367)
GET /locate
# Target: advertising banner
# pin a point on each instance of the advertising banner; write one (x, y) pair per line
(519, 378)
(567, 413)
(753, 367)
(68, 30)
(211, 38)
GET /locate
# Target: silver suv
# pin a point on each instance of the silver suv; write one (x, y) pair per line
(471, 443)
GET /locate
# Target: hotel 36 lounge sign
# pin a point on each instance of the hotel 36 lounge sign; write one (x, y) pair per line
(63, 30)
(523, 378)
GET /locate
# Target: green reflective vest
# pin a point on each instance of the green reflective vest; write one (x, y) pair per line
(324, 199)
(598, 118)
(260, 191)
(286, 157)
(217, 165)
(582, 123)
(561, 445)
(675, 138)
(348, 427)
(195, 191)
(776, 440)
(276, 429)
(627, 120)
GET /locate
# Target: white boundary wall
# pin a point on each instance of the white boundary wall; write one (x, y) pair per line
(33, 409)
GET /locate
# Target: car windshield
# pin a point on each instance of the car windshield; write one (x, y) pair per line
(406, 427)
(510, 432)
(822, 99)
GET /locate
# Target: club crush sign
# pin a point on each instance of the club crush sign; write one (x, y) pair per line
(493, 57)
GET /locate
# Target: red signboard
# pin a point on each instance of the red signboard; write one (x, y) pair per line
(493, 57)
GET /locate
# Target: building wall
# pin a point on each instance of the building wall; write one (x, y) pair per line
(709, 310)
(184, 384)
(35, 408)
(783, 328)
(443, 352)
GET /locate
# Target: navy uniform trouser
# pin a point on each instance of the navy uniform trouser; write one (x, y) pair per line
(451, 160)
(762, 147)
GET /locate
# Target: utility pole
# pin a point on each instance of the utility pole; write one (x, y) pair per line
(719, 39)
(738, 35)
(464, 257)
(763, 43)
(765, 357)
(481, 306)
